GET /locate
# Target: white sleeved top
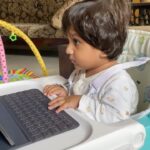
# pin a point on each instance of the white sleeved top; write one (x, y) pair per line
(115, 101)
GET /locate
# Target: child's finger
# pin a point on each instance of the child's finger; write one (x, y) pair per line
(48, 90)
(55, 103)
(55, 91)
(62, 107)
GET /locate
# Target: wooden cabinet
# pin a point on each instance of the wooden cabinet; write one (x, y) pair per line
(140, 13)
(46, 46)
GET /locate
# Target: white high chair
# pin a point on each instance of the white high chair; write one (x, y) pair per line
(90, 135)
(138, 45)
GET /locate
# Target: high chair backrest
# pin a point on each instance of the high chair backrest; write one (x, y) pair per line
(138, 45)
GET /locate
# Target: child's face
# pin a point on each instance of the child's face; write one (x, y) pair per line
(82, 54)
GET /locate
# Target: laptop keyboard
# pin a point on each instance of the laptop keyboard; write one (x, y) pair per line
(30, 111)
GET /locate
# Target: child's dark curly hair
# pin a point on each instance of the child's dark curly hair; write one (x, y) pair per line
(101, 23)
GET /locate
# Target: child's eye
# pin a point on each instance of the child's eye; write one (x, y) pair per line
(76, 42)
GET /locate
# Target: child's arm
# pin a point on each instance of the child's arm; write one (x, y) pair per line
(116, 102)
(100, 111)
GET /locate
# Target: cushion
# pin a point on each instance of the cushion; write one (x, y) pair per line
(57, 18)
(138, 45)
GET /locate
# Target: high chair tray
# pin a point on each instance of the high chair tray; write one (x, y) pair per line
(89, 134)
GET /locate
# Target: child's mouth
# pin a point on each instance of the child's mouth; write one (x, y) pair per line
(73, 61)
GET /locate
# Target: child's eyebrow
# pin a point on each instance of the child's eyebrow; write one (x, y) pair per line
(73, 33)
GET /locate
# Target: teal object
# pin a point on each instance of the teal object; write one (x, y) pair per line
(145, 121)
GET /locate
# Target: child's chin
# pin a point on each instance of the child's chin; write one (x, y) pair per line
(77, 67)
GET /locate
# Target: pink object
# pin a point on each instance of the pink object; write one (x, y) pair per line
(3, 62)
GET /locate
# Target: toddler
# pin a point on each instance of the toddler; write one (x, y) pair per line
(96, 31)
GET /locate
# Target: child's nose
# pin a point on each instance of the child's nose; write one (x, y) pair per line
(69, 49)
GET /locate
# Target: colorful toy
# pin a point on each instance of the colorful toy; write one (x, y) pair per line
(15, 31)
(19, 74)
(3, 62)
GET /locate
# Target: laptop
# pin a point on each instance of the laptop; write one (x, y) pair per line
(25, 119)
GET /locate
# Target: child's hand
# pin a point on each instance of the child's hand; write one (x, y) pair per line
(64, 102)
(55, 89)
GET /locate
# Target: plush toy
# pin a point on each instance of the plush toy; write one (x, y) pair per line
(57, 18)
